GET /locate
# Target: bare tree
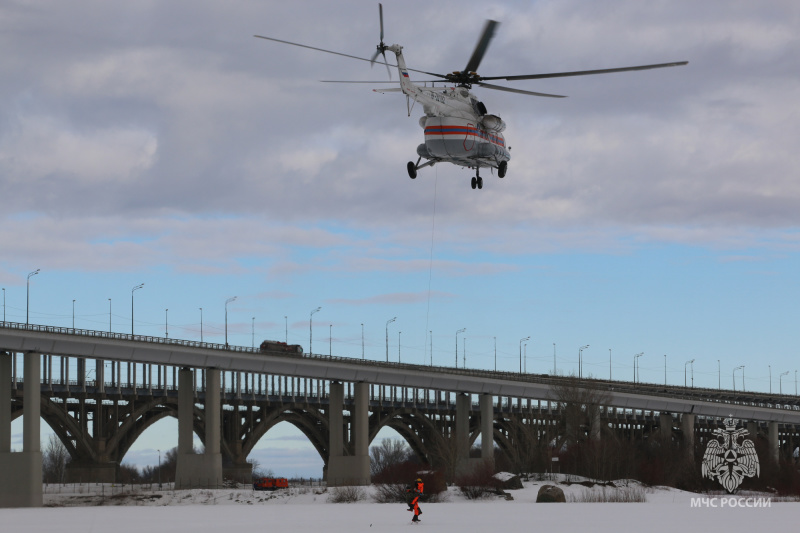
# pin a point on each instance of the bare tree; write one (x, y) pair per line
(444, 452)
(258, 470)
(54, 461)
(388, 453)
(580, 403)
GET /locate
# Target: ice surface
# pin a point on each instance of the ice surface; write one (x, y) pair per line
(307, 510)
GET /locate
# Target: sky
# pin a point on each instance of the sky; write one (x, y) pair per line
(649, 212)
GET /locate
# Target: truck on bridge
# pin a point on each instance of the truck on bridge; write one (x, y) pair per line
(281, 347)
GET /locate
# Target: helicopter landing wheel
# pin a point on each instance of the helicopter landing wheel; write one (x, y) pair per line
(412, 170)
(474, 182)
(480, 182)
(501, 169)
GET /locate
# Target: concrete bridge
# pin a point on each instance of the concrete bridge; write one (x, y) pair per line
(231, 396)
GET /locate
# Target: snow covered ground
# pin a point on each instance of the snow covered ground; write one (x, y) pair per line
(299, 510)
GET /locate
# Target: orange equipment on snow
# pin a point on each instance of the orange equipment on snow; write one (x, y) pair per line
(271, 483)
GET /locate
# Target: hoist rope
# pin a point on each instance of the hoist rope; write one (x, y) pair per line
(430, 264)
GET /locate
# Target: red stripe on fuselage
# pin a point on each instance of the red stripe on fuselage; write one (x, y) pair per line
(465, 130)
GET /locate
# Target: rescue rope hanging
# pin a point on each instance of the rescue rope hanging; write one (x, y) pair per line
(430, 263)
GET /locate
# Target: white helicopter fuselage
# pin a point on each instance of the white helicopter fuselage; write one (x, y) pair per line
(457, 128)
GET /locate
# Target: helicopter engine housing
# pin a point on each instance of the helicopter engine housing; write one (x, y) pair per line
(493, 123)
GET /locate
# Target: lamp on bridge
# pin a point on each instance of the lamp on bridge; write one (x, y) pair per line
(387, 337)
(28, 297)
(580, 360)
(733, 376)
(520, 351)
(462, 330)
(309, 329)
(684, 372)
(136, 288)
(229, 300)
(635, 364)
(780, 385)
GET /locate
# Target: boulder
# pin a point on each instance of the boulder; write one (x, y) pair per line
(507, 481)
(550, 494)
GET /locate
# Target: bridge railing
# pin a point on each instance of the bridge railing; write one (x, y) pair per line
(772, 401)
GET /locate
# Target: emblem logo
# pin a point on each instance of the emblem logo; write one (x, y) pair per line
(730, 457)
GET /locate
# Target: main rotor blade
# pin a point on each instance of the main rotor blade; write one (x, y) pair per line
(583, 72)
(518, 91)
(346, 55)
(381, 82)
(313, 48)
(483, 44)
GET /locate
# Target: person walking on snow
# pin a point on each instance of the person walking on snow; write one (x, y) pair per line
(415, 492)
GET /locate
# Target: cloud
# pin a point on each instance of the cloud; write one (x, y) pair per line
(40, 149)
(164, 129)
(394, 298)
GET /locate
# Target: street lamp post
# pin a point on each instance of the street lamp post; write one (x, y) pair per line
(464, 352)
(743, 378)
(769, 367)
(73, 316)
(780, 385)
(253, 334)
(635, 364)
(4, 304)
(166, 323)
(310, 352)
(229, 300)
(719, 376)
(28, 297)
(330, 340)
(554, 359)
(495, 354)
(733, 376)
(398, 346)
(430, 336)
(136, 288)
(286, 329)
(387, 336)
(580, 360)
(525, 357)
(462, 330)
(609, 364)
(520, 351)
(362, 340)
(201, 323)
(684, 372)
(109, 315)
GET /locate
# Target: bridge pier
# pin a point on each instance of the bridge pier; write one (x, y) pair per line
(665, 426)
(687, 426)
(350, 469)
(21, 472)
(198, 470)
(774, 441)
(487, 428)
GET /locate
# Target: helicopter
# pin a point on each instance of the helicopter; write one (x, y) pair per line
(457, 127)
